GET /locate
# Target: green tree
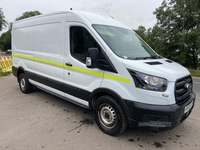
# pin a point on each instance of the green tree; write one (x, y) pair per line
(3, 22)
(178, 31)
(28, 14)
(5, 40)
(142, 32)
(145, 34)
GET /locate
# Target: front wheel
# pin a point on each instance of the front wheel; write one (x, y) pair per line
(109, 115)
(24, 84)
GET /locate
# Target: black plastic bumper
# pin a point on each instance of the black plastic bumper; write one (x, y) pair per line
(14, 71)
(158, 117)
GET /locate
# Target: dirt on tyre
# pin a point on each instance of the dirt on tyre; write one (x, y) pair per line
(109, 115)
(24, 84)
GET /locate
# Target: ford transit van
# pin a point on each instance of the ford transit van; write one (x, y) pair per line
(101, 64)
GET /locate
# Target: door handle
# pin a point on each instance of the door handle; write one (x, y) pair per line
(68, 64)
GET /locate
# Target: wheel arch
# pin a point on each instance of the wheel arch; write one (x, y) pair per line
(19, 71)
(104, 91)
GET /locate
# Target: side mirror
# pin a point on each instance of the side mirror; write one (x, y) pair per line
(92, 58)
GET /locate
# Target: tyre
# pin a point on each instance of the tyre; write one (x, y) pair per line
(24, 84)
(109, 115)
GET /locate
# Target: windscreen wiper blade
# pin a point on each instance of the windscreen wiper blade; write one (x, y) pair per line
(144, 58)
(156, 57)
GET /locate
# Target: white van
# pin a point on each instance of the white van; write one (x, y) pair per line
(101, 64)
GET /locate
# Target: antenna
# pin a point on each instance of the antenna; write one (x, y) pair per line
(108, 13)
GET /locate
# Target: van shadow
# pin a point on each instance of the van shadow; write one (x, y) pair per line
(80, 115)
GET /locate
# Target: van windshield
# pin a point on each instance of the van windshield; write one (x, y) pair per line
(125, 43)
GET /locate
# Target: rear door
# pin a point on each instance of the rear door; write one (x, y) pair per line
(80, 81)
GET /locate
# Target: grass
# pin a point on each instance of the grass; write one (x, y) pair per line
(4, 74)
(194, 73)
(1, 73)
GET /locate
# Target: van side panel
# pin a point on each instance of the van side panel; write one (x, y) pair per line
(21, 36)
(22, 43)
(48, 49)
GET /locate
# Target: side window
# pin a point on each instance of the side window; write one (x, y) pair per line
(80, 41)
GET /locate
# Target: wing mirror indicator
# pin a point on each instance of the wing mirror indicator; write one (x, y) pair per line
(88, 61)
(92, 58)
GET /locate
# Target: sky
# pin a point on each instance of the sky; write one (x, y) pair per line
(132, 13)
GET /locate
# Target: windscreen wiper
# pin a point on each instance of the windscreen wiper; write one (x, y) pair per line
(156, 57)
(144, 58)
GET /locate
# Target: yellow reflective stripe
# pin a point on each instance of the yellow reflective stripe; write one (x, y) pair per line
(100, 74)
(95, 73)
(48, 62)
(38, 60)
(23, 56)
(117, 78)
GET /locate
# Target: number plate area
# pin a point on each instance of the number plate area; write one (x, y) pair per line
(188, 107)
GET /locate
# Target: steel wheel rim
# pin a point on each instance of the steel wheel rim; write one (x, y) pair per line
(107, 115)
(23, 84)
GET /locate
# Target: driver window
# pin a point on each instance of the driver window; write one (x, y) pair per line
(80, 41)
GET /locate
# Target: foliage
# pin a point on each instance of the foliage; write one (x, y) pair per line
(3, 22)
(4, 74)
(176, 34)
(1, 73)
(180, 21)
(28, 14)
(5, 40)
(145, 34)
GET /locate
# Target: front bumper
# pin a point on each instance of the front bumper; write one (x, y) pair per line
(158, 117)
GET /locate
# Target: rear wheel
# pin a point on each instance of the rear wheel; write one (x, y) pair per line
(109, 115)
(24, 84)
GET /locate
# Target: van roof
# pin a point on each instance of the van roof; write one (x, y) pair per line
(103, 20)
(90, 18)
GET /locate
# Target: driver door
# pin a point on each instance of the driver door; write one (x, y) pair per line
(79, 80)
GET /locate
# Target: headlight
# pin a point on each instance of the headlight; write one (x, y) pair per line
(148, 82)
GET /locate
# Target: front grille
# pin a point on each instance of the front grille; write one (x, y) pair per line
(183, 89)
